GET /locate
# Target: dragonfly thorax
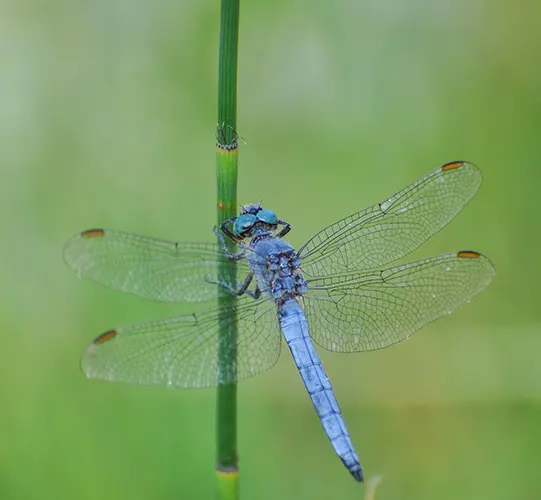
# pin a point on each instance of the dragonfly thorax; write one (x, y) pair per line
(276, 266)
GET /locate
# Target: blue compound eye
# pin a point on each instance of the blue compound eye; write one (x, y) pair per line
(267, 216)
(243, 223)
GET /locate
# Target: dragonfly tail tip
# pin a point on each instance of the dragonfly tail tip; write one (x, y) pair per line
(357, 475)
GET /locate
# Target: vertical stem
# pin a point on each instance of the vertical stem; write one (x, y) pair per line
(226, 177)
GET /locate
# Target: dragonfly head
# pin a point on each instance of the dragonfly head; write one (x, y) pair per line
(252, 217)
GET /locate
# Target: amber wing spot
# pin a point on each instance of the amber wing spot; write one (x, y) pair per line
(452, 165)
(468, 254)
(104, 337)
(92, 233)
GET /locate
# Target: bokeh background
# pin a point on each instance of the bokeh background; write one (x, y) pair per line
(107, 118)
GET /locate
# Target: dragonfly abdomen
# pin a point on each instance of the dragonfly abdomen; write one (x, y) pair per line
(295, 329)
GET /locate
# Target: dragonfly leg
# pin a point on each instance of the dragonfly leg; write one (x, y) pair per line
(242, 288)
(227, 231)
(227, 253)
(284, 230)
(246, 284)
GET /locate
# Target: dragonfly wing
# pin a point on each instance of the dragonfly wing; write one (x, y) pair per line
(155, 269)
(375, 309)
(183, 351)
(393, 228)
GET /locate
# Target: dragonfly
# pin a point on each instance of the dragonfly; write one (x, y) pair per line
(335, 290)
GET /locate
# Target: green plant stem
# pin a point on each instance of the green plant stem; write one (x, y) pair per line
(226, 177)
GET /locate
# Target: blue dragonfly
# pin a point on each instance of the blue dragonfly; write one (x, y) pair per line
(335, 290)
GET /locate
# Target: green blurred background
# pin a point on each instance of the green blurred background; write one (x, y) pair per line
(107, 116)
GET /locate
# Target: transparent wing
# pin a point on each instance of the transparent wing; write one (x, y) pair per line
(375, 309)
(392, 229)
(150, 268)
(183, 351)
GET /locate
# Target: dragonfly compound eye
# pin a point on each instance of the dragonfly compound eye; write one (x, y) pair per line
(243, 223)
(268, 216)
